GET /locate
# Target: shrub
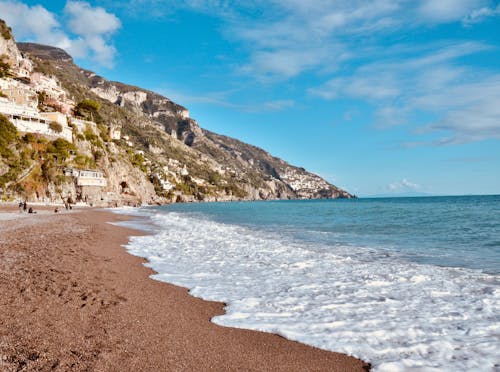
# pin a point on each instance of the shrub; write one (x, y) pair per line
(29, 138)
(214, 178)
(49, 171)
(42, 96)
(4, 67)
(84, 161)
(8, 131)
(60, 179)
(98, 155)
(5, 30)
(103, 132)
(89, 134)
(60, 148)
(55, 126)
(89, 109)
(88, 105)
(8, 134)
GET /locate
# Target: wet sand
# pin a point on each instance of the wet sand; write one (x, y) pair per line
(71, 298)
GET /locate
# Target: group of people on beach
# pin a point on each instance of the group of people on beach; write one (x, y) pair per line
(23, 207)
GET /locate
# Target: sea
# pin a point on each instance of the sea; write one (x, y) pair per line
(406, 284)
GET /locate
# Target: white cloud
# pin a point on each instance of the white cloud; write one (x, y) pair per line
(88, 31)
(279, 105)
(447, 10)
(403, 185)
(33, 23)
(286, 62)
(480, 14)
(94, 26)
(292, 36)
(222, 98)
(286, 38)
(463, 100)
(86, 20)
(360, 86)
(472, 116)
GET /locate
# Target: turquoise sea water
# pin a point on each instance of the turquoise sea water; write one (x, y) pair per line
(456, 231)
(407, 284)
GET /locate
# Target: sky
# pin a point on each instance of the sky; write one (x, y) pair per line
(380, 97)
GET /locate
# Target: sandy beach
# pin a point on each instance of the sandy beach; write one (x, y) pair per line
(71, 298)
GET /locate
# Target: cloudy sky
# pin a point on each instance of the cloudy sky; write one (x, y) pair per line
(378, 97)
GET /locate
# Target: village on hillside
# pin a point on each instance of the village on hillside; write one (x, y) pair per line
(35, 103)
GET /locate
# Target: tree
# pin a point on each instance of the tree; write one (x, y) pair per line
(56, 127)
(88, 109)
(61, 148)
(41, 100)
(8, 134)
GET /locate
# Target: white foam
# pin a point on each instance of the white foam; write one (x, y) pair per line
(399, 316)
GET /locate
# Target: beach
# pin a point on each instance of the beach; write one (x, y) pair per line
(71, 297)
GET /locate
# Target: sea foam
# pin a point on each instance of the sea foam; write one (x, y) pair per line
(397, 315)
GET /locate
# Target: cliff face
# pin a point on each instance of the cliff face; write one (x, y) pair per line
(163, 154)
(10, 54)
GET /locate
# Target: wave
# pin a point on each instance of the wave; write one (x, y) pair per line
(394, 314)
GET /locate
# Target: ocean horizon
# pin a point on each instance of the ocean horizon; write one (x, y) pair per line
(419, 195)
(403, 283)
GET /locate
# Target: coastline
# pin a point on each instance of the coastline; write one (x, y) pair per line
(73, 298)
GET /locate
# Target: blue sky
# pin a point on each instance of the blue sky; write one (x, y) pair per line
(378, 97)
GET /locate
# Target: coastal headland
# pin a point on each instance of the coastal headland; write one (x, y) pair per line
(72, 298)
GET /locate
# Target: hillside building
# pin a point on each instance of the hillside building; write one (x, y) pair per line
(24, 68)
(28, 120)
(55, 116)
(85, 177)
(115, 132)
(49, 85)
(19, 93)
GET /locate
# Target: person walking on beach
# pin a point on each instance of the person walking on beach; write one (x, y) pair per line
(21, 207)
(25, 206)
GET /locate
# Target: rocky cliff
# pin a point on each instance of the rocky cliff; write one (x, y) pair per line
(163, 154)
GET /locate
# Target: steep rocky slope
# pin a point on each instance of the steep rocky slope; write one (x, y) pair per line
(163, 154)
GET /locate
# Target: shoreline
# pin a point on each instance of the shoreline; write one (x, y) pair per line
(73, 297)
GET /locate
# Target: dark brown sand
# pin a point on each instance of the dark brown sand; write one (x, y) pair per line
(71, 298)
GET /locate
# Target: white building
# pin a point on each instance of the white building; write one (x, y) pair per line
(84, 177)
(24, 68)
(56, 116)
(19, 93)
(115, 132)
(49, 85)
(91, 178)
(28, 120)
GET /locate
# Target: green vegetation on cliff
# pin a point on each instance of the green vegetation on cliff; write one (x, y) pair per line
(4, 67)
(5, 30)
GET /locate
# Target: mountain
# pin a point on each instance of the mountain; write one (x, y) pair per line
(161, 155)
